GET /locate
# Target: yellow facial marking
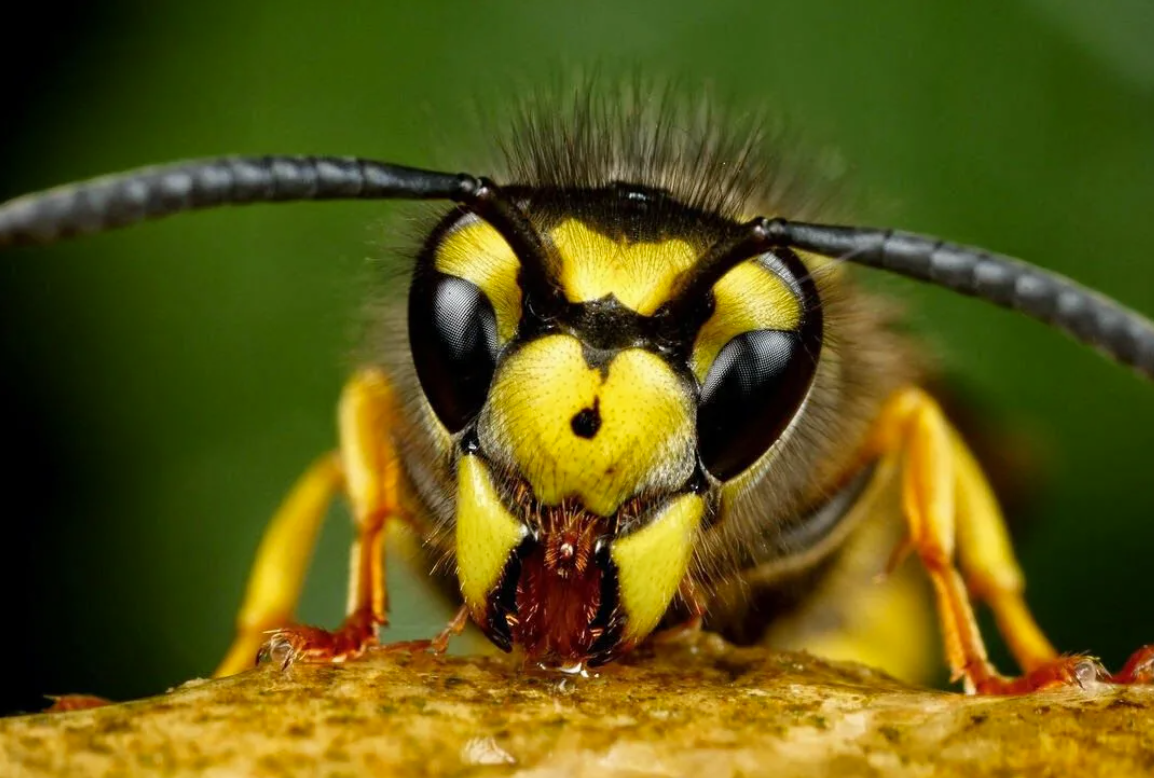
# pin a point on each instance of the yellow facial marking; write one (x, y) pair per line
(477, 253)
(487, 534)
(640, 275)
(642, 435)
(749, 297)
(652, 561)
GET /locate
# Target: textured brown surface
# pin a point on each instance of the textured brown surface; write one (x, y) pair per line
(702, 709)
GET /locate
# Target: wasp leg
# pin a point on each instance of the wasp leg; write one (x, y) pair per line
(274, 585)
(993, 576)
(987, 561)
(66, 703)
(367, 470)
(440, 643)
(365, 415)
(951, 513)
(1139, 668)
(913, 422)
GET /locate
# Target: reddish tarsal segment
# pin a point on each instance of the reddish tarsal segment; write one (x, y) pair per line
(69, 702)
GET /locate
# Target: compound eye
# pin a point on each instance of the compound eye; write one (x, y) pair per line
(453, 336)
(752, 390)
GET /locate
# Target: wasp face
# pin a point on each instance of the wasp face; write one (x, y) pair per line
(592, 421)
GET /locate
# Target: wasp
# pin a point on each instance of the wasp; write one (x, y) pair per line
(638, 390)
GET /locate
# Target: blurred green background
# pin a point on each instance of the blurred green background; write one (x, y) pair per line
(163, 386)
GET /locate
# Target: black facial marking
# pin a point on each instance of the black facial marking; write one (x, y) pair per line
(503, 601)
(637, 213)
(609, 619)
(587, 421)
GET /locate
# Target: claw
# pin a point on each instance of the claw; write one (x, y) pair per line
(1073, 670)
(1085, 672)
(359, 633)
(1088, 672)
(282, 647)
(312, 644)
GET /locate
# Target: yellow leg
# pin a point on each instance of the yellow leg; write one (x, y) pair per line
(949, 507)
(282, 559)
(364, 419)
(367, 470)
(987, 561)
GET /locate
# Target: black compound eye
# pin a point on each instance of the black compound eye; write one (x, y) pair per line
(453, 336)
(752, 391)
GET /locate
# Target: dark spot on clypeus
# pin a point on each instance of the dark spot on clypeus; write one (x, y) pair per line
(587, 421)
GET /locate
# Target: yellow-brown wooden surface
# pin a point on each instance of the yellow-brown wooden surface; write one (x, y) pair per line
(699, 708)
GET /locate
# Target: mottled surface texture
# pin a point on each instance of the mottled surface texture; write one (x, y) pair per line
(702, 709)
